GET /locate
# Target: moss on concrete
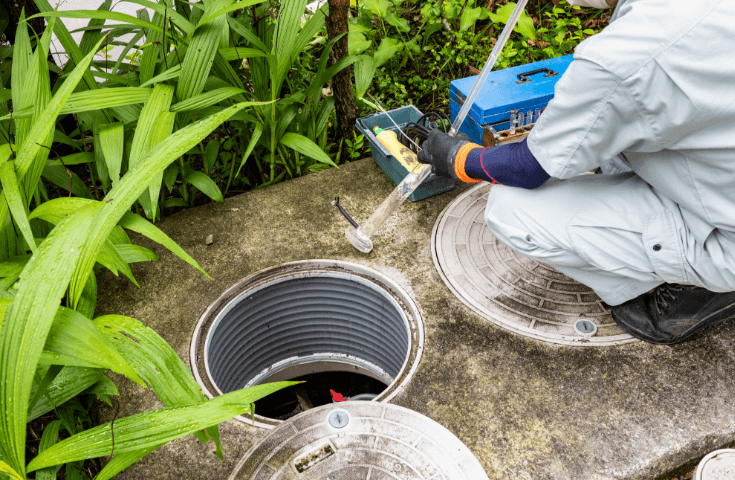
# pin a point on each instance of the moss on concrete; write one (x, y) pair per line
(525, 408)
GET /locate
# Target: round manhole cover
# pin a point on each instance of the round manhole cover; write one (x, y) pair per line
(346, 331)
(513, 291)
(359, 441)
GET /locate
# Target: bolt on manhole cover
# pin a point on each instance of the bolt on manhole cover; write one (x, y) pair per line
(359, 441)
(511, 290)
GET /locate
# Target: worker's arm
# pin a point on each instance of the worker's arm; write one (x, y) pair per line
(511, 164)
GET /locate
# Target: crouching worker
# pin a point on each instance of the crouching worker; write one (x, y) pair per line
(650, 100)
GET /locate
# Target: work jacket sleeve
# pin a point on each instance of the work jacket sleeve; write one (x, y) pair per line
(592, 118)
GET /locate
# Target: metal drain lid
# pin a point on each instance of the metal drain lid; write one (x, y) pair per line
(718, 465)
(513, 291)
(359, 441)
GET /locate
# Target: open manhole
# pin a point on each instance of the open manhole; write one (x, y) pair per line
(359, 441)
(344, 328)
(511, 290)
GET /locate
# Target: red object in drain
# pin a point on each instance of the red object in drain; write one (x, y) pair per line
(337, 397)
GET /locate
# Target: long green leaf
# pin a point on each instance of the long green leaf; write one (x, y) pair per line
(161, 130)
(21, 70)
(115, 16)
(44, 127)
(153, 428)
(74, 340)
(257, 132)
(8, 470)
(205, 185)
(157, 363)
(16, 202)
(121, 196)
(135, 254)
(169, 74)
(238, 53)
(206, 99)
(67, 385)
(49, 438)
(111, 141)
(88, 301)
(179, 20)
(26, 325)
(199, 58)
(138, 224)
(303, 145)
(231, 8)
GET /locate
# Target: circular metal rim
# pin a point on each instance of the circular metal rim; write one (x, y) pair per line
(576, 341)
(700, 468)
(304, 268)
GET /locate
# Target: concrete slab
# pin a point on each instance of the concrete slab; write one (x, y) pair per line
(526, 409)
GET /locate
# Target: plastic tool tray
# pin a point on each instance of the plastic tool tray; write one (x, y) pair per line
(433, 185)
(523, 88)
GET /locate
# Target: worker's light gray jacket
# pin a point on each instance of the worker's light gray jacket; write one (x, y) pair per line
(658, 87)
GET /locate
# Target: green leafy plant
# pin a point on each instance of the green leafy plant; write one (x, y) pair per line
(51, 348)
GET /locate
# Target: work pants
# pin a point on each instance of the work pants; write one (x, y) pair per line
(614, 233)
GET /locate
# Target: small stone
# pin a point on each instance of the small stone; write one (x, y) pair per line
(235, 209)
(209, 240)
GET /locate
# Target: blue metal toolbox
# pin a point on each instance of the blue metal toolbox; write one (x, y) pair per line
(396, 171)
(516, 90)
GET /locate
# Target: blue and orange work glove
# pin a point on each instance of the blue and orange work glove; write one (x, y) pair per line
(447, 154)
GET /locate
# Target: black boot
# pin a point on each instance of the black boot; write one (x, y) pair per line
(672, 313)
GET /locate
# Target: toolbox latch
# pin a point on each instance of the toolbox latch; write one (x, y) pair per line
(523, 77)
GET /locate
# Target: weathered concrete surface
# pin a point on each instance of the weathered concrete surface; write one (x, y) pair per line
(526, 409)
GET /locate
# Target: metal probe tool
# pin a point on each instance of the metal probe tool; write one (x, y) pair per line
(359, 237)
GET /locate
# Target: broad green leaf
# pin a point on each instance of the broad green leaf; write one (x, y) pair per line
(138, 224)
(398, 22)
(169, 74)
(205, 185)
(7, 469)
(238, 53)
(119, 199)
(110, 258)
(199, 58)
(104, 388)
(470, 17)
(28, 321)
(357, 43)
(388, 47)
(49, 438)
(74, 340)
(111, 141)
(73, 159)
(305, 146)
(88, 301)
(159, 101)
(524, 25)
(206, 99)
(231, 8)
(154, 51)
(162, 129)
(21, 70)
(16, 202)
(67, 385)
(364, 73)
(378, 7)
(99, 158)
(135, 254)
(211, 151)
(149, 429)
(247, 34)
(13, 265)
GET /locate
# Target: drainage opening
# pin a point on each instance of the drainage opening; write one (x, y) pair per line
(347, 331)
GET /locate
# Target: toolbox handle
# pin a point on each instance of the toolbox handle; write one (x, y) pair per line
(523, 77)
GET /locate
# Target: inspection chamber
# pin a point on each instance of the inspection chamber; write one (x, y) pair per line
(305, 318)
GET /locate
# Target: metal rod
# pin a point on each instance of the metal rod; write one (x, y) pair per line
(499, 44)
(377, 104)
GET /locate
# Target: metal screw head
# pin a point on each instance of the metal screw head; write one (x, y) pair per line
(585, 328)
(338, 418)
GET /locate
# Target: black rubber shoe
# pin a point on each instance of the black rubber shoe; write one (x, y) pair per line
(672, 313)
